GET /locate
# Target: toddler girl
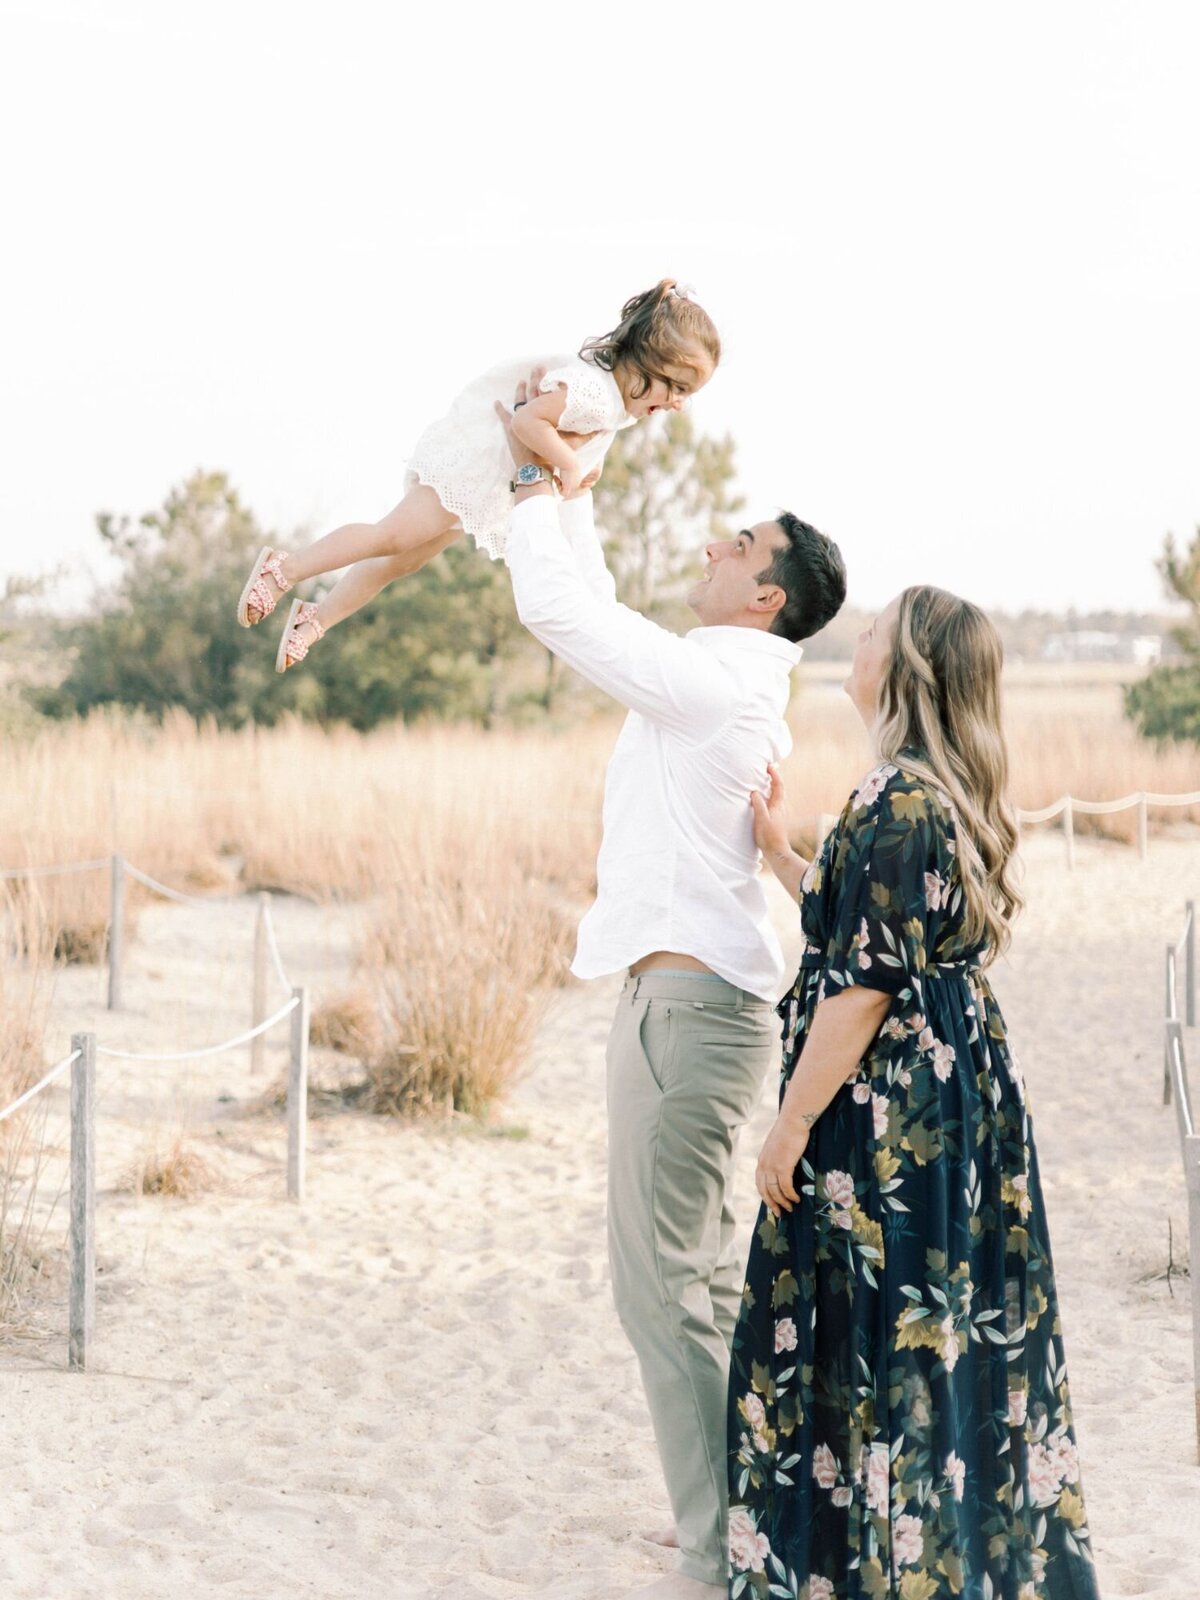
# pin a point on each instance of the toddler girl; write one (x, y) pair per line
(459, 476)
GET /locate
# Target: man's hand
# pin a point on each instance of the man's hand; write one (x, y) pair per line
(517, 448)
(586, 485)
(526, 390)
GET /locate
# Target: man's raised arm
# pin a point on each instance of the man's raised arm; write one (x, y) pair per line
(564, 601)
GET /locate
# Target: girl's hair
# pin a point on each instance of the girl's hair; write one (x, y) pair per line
(660, 328)
(940, 698)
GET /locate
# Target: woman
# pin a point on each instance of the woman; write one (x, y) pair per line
(900, 1424)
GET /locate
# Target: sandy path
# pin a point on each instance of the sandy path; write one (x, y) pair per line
(416, 1383)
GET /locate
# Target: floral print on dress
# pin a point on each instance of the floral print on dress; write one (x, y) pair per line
(900, 1420)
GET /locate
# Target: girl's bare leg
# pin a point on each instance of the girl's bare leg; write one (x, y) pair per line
(411, 534)
(355, 588)
(363, 581)
(418, 520)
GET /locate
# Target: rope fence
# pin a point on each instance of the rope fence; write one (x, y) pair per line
(85, 1051)
(56, 871)
(1175, 1086)
(42, 1083)
(1069, 807)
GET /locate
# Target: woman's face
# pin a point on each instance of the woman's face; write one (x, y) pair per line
(871, 657)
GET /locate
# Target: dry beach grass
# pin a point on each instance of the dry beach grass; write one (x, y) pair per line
(321, 813)
(26, 954)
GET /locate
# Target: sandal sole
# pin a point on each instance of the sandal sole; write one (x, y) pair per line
(243, 615)
(281, 654)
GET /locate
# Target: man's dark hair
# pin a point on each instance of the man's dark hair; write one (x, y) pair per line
(810, 571)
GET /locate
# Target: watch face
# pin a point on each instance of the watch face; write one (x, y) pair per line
(529, 473)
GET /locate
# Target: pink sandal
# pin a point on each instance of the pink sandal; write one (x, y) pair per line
(258, 599)
(293, 647)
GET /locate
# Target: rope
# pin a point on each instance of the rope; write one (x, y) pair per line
(55, 1072)
(1183, 1100)
(208, 1050)
(53, 872)
(1044, 814)
(273, 947)
(178, 894)
(1098, 808)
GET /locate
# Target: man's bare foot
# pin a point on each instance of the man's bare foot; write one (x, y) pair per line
(676, 1587)
(668, 1537)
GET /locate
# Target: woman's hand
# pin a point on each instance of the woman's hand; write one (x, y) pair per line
(777, 1162)
(770, 816)
(771, 835)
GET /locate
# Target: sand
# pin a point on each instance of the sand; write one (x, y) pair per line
(415, 1383)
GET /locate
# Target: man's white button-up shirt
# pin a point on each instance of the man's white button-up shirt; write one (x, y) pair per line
(678, 867)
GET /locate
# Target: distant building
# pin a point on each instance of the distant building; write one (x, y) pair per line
(1089, 644)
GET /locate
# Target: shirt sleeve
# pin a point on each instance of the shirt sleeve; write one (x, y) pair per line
(891, 878)
(594, 403)
(576, 518)
(556, 585)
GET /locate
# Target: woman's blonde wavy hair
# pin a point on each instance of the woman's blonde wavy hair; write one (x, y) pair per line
(939, 718)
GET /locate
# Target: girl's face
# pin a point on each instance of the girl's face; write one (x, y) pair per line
(684, 381)
(871, 656)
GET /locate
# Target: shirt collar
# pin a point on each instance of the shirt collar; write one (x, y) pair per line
(723, 636)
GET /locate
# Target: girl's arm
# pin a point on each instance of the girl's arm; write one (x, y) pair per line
(842, 1030)
(770, 835)
(536, 425)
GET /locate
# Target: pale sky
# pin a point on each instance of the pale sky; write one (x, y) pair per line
(953, 252)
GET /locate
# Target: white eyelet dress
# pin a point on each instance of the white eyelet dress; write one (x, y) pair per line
(464, 457)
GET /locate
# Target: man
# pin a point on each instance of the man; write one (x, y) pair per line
(679, 905)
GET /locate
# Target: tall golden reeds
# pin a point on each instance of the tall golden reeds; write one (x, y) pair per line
(26, 946)
(464, 948)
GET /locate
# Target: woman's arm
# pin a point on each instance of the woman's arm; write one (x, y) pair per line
(843, 1027)
(536, 425)
(771, 837)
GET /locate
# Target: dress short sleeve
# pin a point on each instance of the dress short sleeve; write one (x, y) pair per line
(894, 880)
(594, 403)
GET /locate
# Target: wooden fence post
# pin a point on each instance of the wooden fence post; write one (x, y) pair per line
(1191, 1168)
(297, 1096)
(1167, 1014)
(83, 1202)
(258, 1002)
(1143, 827)
(1189, 971)
(116, 931)
(1069, 832)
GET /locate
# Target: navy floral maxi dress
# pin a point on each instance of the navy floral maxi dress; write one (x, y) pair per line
(899, 1420)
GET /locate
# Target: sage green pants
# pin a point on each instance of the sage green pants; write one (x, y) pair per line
(686, 1060)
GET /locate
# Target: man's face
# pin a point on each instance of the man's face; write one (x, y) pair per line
(729, 588)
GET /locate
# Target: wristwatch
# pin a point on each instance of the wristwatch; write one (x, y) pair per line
(528, 474)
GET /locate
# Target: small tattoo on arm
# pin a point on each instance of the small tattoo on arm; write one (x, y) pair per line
(808, 1118)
